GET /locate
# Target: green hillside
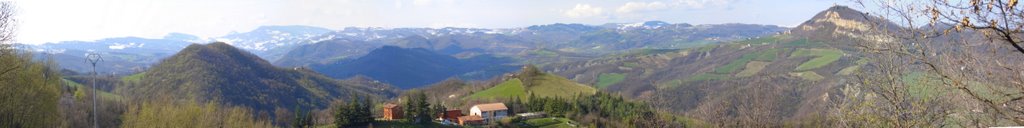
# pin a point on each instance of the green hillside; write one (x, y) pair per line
(81, 88)
(510, 88)
(220, 72)
(545, 85)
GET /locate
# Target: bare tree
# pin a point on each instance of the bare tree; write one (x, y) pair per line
(969, 45)
(7, 23)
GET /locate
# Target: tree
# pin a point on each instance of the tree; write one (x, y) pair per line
(358, 112)
(438, 110)
(417, 107)
(171, 113)
(342, 116)
(284, 117)
(29, 87)
(528, 73)
(971, 46)
(298, 122)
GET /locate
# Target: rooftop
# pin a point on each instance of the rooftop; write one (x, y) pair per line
(491, 106)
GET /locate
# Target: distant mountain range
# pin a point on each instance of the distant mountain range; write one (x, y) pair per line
(414, 67)
(305, 45)
(218, 71)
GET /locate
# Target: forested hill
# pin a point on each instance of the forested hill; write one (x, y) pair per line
(218, 71)
(415, 67)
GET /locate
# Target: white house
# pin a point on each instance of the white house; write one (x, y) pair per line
(490, 112)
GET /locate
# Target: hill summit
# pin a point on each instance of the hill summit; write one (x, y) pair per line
(218, 71)
(840, 21)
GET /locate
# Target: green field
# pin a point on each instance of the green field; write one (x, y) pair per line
(770, 39)
(103, 94)
(547, 85)
(854, 68)
(822, 58)
(607, 79)
(767, 55)
(134, 77)
(557, 86)
(764, 55)
(549, 123)
(752, 68)
(510, 88)
(803, 43)
(707, 48)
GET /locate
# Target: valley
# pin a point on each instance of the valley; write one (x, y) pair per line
(843, 67)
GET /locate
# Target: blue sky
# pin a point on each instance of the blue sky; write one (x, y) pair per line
(60, 20)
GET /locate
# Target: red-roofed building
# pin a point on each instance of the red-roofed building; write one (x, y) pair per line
(392, 112)
(489, 112)
(450, 115)
(471, 120)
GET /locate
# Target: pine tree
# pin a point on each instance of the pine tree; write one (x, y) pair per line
(308, 119)
(368, 109)
(341, 116)
(298, 117)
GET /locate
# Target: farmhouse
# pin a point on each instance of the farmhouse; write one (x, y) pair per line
(392, 112)
(470, 120)
(489, 112)
(450, 115)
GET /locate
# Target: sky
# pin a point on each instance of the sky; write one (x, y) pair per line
(42, 21)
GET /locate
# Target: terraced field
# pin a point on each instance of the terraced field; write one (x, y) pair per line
(764, 55)
(822, 58)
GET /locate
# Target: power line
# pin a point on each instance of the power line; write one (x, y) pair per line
(94, 58)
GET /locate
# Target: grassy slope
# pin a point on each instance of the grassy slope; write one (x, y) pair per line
(548, 86)
(510, 88)
(823, 58)
(854, 68)
(134, 77)
(557, 86)
(549, 123)
(608, 79)
(752, 68)
(103, 94)
(765, 55)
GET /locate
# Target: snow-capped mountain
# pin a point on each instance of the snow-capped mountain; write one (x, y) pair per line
(378, 33)
(121, 55)
(266, 38)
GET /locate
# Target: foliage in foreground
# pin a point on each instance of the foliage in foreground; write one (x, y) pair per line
(29, 90)
(167, 113)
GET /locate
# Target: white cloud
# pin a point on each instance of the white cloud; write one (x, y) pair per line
(641, 7)
(584, 11)
(698, 4)
(398, 4)
(432, 2)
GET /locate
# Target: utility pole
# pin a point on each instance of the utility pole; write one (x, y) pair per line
(93, 58)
